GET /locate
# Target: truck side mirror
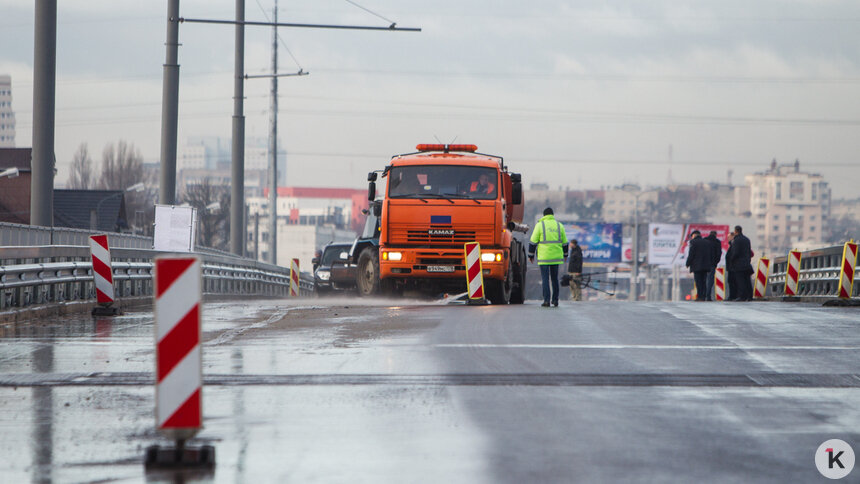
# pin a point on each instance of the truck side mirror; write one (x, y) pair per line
(371, 176)
(371, 190)
(517, 193)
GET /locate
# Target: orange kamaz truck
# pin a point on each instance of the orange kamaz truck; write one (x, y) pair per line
(434, 201)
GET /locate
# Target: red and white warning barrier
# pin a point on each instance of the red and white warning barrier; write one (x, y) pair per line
(178, 407)
(720, 284)
(761, 278)
(294, 278)
(792, 273)
(474, 270)
(846, 276)
(102, 269)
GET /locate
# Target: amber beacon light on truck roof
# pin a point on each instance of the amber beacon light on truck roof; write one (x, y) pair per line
(446, 148)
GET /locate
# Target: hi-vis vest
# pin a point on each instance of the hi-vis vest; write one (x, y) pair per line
(550, 238)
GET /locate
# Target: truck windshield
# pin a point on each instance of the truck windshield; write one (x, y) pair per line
(443, 181)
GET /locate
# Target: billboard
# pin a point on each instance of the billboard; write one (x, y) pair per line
(667, 243)
(175, 228)
(600, 242)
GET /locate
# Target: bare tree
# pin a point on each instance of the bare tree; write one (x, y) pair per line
(122, 166)
(81, 176)
(213, 207)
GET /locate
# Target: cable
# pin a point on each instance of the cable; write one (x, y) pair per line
(393, 23)
(298, 64)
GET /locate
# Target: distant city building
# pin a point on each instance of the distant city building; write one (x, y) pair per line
(619, 204)
(7, 116)
(210, 157)
(845, 208)
(789, 207)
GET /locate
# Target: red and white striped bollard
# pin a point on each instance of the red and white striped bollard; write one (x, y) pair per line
(846, 275)
(792, 273)
(294, 278)
(474, 272)
(720, 284)
(761, 278)
(179, 380)
(102, 269)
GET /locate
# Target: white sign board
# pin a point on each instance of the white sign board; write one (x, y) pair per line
(175, 228)
(664, 242)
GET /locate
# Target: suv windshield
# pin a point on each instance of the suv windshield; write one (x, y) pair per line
(332, 254)
(443, 181)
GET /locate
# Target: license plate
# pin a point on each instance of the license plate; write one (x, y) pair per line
(440, 268)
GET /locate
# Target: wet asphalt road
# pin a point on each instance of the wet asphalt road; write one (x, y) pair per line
(340, 390)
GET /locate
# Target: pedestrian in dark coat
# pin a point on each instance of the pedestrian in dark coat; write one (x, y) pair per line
(699, 260)
(574, 268)
(740, 265)
(731, 292)
(717, 252)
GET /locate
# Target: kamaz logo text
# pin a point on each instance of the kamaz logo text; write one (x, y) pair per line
(441, 232)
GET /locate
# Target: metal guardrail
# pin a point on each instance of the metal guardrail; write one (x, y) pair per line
(819, 274)
(52, 274)
(30, 235)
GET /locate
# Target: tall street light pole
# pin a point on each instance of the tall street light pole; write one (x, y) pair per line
(169, 108)
(237, 193)
(44, 96)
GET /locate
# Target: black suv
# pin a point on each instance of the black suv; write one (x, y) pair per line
(331, 254)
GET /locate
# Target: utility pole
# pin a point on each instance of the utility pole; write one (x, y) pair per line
(237, 194)
(44, 96)
(169, 108)
(273, 149)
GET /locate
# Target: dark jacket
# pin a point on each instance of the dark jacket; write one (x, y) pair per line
(701, 255)
(740, 255)
(574, 264)
(718, 249)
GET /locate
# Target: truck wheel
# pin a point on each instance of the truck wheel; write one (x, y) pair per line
(367, 277)
(499, 292)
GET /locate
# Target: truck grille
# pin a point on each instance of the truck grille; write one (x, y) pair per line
(423, 236)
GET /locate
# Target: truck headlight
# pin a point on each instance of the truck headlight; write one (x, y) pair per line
(392, 256)
(491, 256)
(323, 275)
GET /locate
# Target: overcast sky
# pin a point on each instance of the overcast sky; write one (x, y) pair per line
(578, 94)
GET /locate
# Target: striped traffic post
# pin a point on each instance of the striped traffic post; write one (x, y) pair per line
(294, 278)
(178, 363)
(102, 276)
(761, 278)
(102, 269)
(178, 359)
(720, 284)
(792, 273)
(474, 273)
(846, 275)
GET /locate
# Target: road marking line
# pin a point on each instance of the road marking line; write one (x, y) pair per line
(643, 347)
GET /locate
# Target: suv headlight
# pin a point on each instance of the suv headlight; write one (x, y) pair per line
(323, 275)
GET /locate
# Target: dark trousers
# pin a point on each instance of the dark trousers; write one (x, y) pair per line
(701, 278)
(743, 285)
(732, 291)
(710, 288)
(549, 274)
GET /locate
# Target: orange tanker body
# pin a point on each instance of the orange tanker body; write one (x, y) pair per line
(436, 200)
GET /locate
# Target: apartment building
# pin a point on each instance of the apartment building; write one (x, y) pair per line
(790, 207)
(7, 116)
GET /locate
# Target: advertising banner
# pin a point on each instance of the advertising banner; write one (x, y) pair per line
(668, 243)
(600, 242)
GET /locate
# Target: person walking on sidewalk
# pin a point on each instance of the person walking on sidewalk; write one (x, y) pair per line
(551, 243)
(574, 268)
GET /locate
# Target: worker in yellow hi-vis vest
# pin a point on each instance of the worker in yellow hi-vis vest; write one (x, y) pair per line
(551, 243)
